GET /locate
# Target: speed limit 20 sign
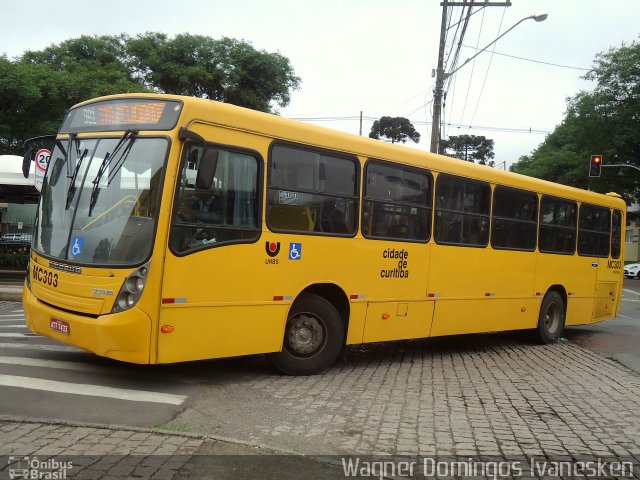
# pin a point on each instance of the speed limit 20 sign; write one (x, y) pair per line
(42, 159)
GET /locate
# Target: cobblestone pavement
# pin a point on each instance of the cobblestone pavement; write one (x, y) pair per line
(497, 395)
(94, 452)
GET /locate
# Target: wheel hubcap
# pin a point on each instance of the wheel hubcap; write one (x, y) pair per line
(552, 318)
(305, 334)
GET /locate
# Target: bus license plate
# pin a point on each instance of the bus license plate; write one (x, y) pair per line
(59, 326)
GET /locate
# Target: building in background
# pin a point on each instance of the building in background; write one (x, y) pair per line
(18, 196)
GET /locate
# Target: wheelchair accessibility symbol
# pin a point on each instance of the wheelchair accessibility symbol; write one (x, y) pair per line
(295, 251)
(76, 246)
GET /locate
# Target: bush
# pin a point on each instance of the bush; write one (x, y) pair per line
(14, 256)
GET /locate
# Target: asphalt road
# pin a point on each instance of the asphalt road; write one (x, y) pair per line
(619, 338)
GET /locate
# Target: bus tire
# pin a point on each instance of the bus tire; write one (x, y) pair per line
(551, 318)
(313, 337)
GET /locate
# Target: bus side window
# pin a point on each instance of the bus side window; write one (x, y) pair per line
(462, 214)
(616, 233)
(514, 220)
(216, 201)
(558, 225)
(312, 191)
(397, 202)
(594, 231)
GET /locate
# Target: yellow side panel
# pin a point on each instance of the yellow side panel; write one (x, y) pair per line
(605, 303)
(357, 313)
(578, 277)
(223, 331)
(397, 320)
(579, 311)
(453, 317)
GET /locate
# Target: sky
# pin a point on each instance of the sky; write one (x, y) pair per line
(377, 56)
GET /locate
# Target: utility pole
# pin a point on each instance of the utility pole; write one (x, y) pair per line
(441, 76)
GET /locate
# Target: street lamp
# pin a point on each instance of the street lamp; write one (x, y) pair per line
(441, 76)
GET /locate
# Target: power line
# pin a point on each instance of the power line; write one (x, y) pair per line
(488, 68)
(529, 130)
(532, 60)
(473, 67)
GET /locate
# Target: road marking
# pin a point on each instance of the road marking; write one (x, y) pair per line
(624, 316)
(91, 390)
(16, 315)
(631, 291)
(59, 364)
(10, 320)
(623, 299)
(13, 335)
(21, 326)
(46, 348)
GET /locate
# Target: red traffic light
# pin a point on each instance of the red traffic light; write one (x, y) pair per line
(595, 166)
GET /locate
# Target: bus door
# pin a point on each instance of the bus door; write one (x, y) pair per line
(609, 275)
(213, 300)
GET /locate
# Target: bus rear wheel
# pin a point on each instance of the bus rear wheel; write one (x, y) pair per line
(551, 318)
(313, 337)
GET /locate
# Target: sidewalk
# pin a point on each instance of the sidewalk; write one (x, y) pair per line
(11, 285)
(42, 449)
(10, 292)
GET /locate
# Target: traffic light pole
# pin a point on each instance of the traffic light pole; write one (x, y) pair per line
(622, 165)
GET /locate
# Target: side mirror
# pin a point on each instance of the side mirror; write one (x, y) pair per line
(26, 162)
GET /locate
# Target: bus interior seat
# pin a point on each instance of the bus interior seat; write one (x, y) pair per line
(292, 217)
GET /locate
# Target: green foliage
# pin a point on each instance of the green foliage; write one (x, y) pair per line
(14, 257)
(604, 121)
(470, 148)
(37, 89)
(226, 70)
(394, 129)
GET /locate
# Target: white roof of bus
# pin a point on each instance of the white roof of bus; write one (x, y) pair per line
(11, 171)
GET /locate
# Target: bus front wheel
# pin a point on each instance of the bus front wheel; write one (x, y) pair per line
(551, 319)
(313, 337)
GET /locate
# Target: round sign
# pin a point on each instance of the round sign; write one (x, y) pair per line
(42, 159)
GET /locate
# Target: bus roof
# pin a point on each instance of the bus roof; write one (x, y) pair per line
(199, 110)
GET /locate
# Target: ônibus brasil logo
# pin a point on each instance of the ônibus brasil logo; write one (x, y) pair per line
(272, 248)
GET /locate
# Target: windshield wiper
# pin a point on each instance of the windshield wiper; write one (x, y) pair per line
(72, 187)
(129, 134)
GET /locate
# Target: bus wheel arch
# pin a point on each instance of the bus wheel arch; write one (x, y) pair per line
(315, 331)
(552, 317)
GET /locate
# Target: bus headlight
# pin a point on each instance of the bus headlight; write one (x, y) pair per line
(131, 289)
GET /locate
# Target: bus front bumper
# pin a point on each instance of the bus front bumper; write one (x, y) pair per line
(124, 336)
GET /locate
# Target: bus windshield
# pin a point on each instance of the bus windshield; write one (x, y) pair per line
(100, 199)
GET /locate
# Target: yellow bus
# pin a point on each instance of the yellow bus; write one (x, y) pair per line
(173, 229)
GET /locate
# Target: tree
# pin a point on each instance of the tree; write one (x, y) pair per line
(37, 89)
(604, 121)
(469, 148)
(226, 70)
(394, 129)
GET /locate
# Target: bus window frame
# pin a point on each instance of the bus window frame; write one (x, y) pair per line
(488, 215)
(592, 205)
(536, 222)
(575, 228)
(259, 194)
(322, 151)
(430, 207)
(619, 212)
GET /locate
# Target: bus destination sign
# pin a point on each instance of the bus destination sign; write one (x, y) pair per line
(119, 114)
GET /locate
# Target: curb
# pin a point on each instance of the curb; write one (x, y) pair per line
(11, 294)
(202, 436)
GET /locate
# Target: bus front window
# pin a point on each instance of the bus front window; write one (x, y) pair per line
(100, 200)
